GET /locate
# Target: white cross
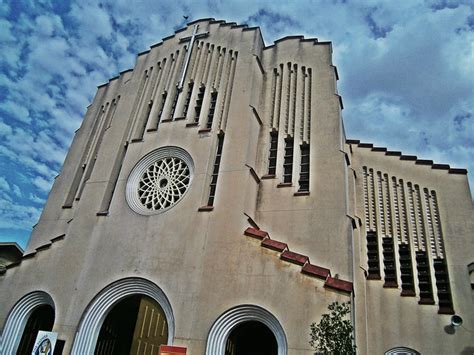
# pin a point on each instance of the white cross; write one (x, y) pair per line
(192, 38)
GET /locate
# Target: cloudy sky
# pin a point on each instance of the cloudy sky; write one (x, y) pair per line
(406, 73)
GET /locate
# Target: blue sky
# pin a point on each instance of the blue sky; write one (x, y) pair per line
(406, 75)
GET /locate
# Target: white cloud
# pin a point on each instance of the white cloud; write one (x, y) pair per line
(16, 111)
(4, 185)
(42, 184)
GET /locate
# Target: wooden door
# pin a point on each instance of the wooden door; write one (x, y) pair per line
(151, 329)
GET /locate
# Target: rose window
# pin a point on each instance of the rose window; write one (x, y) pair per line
(159, 180)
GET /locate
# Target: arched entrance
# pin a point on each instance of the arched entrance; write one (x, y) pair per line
(42, 318)
(135, 325)
(251, 338)
(34, 311)
(233, 333)
(125, 294)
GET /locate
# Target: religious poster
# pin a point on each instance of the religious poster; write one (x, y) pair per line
(44, 343)
(171, 350)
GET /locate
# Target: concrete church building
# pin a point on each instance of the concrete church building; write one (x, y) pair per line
(211, 201)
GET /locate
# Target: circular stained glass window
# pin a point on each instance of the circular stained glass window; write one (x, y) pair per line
(159, 180)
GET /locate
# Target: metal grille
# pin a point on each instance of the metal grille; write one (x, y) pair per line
(163, 183)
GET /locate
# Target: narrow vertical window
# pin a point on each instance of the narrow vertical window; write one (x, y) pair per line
(212, 108)
(288, 162)
(163, 101)
(406, 270)
(272, 159)
(215, 170)
(304, 173)
(424, 278)
(442, 284)
(188, 99)
(373, 256)
(173, 105)
(199, 101)
(389, 262)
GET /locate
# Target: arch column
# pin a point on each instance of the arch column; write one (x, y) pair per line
(16, 321)
(94, 316)
(224, 325)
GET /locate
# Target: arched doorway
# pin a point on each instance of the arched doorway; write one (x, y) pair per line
(135, 325)
(42, 318)
(233, 332)
(34, 311)
(251, 338)
(104, 305)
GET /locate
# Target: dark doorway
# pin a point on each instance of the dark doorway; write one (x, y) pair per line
(42, 318)
(251, 338)
(137, 324)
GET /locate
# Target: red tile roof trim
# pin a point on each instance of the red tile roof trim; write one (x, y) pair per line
(316, 271)
(295, 258)
(274, 245)
(340, 285)
(255, 233)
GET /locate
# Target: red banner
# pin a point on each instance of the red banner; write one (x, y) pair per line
(171, 350)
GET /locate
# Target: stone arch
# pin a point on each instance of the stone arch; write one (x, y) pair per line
(224, 325)
(98, 308)
(402, 351)
(17, 318)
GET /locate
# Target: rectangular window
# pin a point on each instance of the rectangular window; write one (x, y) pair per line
(424, 278)
(215, 170)
(406, 270)
(304, 172)
(188, 99)
(373, 256)
(199, 101)
(272, 159)
(288, 162)
(442, 284)
(389, 263)
(212, 108)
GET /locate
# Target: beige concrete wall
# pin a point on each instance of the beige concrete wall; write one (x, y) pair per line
(390, 320)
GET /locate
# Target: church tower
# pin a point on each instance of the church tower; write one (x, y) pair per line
(210, 201)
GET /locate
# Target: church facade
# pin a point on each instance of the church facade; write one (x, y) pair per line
(211, 201)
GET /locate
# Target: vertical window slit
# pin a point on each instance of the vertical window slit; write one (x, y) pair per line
(288, 160)
(437, 223)
(380, 203)
(188, 99)
(163, 101)
(396, 208)
(424, 278)
(212, 108)
(411, 205)
(406, 270)
(390, 272)
(199, 101)
(215, 170)
(373, 215)
(366, 198)
(373, 272)
(442, 285)
(419, 216)
(304, 172)
(272, 158)
(388, 207)
(173, 105)
(429, 221)
(403, 212)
